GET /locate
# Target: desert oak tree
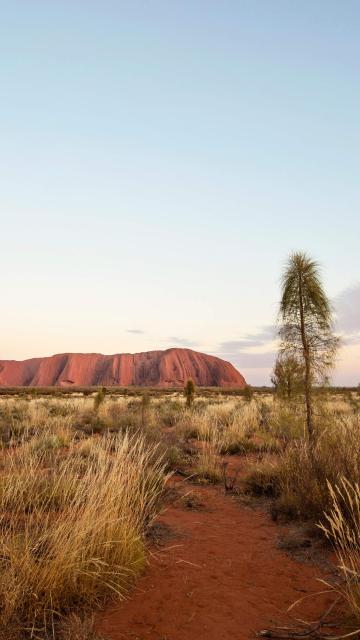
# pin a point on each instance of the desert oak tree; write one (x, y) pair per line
(306, 325)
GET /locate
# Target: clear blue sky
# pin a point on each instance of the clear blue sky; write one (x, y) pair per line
(159, 161)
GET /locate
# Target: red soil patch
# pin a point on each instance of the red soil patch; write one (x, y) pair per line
(220, 577)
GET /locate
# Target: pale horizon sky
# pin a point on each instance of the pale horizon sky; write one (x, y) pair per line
(159, 162)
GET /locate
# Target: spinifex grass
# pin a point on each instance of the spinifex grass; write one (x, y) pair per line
(342, 527)
(71, 533)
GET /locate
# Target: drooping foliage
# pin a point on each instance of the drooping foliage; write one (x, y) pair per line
(306, 330)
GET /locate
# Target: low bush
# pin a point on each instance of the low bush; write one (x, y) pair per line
(237, 445)
(263, 480)
(305, 471)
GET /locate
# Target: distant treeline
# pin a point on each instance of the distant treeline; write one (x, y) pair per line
(152, 391)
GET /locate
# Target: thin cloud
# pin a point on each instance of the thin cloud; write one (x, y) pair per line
(347, 307)
(268, 333)
(136, 331)
(240, 353)
(246, 360)
(264, 337)
(236, 345)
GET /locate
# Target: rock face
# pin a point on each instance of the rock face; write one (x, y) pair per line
(170, 368)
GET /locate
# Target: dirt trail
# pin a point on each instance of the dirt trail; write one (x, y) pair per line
(220, 576)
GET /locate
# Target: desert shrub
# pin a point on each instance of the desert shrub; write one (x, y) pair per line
(286, 421)
(38, 414)
(173, 457)
(305, 471)
(14, 420)
(192, 501)
(231, 444)
(264, 415)
(48, 441)
(99, 398)
(60, 407)
(262, 480)
(170, 412)
(201, 403)
(14, 410)
(113, 411)
(248, 393)
(145, 407)
(91, 423)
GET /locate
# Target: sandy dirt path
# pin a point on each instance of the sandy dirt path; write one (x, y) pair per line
(220, 576)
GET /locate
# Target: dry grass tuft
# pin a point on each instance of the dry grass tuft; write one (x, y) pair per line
(208, 467)
(73, 515)
(342, 528)
(74, 627)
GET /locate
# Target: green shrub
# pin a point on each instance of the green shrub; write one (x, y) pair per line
(306, 470)
(262, 480)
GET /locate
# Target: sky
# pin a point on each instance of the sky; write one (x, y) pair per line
(159, 161)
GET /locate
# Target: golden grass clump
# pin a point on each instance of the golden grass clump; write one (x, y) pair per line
(73, 514)
(342, 528)
(236, 435)
(208, 466)
(228, 425)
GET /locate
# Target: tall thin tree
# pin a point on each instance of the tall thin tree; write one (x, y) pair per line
(306, 330)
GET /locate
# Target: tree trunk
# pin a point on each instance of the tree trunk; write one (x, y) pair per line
(308, 403)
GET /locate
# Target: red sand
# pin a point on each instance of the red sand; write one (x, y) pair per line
(220, 577)
(170, 368)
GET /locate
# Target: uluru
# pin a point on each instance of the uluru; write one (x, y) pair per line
(168, 368)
